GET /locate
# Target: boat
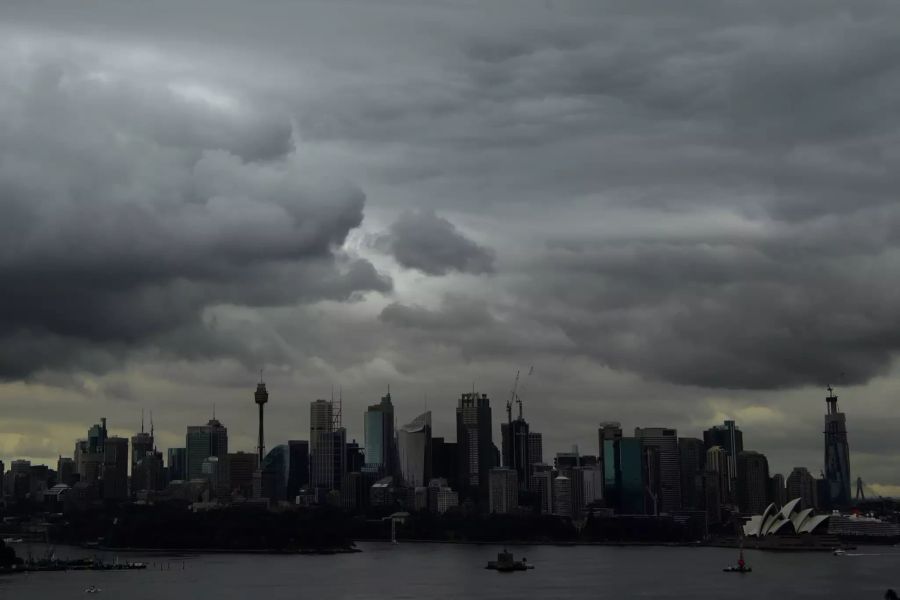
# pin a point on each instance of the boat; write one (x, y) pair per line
(840, 552)
(12, 540)
(740, 567)
(92, 590)
(506, 563)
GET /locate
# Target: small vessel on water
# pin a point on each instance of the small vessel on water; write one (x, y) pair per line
(740, 567)
(840, 552)
(92, 590)
(506, 563)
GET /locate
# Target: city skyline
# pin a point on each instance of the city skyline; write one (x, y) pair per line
(678, 215)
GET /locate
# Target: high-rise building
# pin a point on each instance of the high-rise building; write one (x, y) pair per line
(753, 482)
(778, 490)
(837, 455)
(115, 468)
(177, 464)
(414, 449)
(327, 447)
(210, 470)
(441, 496)
(719, 469)
(202, 442)
(562, 497)
(692, 455)
(89, 453)
(241, 467)
(2, 479)
(542, 488)
(592, 484)
(148, 473)
(65, 471)
(260, 397)
(664, 443)
(356, 457)
(728, 437)
(273, 476)
(474, 445)
(141, 444)
(801, 484)
(504, 490)
(608, 431)
(630, 476)
(19, 479)
(443, 461)
(535, 448)
(298, 471)
(379, 436)
(515, 448)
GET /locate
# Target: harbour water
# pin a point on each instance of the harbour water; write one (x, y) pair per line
(448, 571)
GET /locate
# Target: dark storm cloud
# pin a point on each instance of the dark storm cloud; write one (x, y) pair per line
(420, 239)
(128, 205)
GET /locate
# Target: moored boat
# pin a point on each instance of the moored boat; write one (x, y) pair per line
(506, 563)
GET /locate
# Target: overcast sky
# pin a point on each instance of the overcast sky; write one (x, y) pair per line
(677, 213)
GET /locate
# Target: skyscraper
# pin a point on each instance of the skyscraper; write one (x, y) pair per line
(664, 445)
(562, 497)
(327, 456)
(115, 468)
(298, 471)
(379, 436)
(177, 464)
(475, 445)
(801, 484)
(778, 490)
(241, 467)
(728, 437)
(202, 442)
(837, 454)
(535, 448)
(65, 471)
(504, 490)
(141, 444)
(692, 454)
(718, 468)
(261, 396)
(753, 482)
(514, 442)
(414, 449)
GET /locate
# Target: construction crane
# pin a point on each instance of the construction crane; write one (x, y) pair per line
(513, 398)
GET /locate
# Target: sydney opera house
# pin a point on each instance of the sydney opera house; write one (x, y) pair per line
(787, 521)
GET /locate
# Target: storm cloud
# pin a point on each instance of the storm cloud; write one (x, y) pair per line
(678, 214)
(420, 239)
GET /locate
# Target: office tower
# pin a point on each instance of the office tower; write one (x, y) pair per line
(379, 436)
(753, 482)
(609, 431)
(542, 488)
(444, 461)
(260, 397)
(298, 470)
(712, 498)
(514, 440)
(837, 455)
(692, 455)
(89, 453)
(504, 490)
(141, 444)
(728, 437)
(441, 496)
(321, 445)
(567, 460)
(631, 476)
(148, 473)
(562, 497)
(273, 475)
(339, 456)
(354, 491)
(414, 449)
(97, 437)
(719, 468)
(592, 485)
(65, 471)
(2, 479)
(115, 468)
(535, 448)
(177, 464)
(801, 484)
(474, 445)
(19, 483)
(210, 471)
(778, 490)
(202, 442)
(356, 457)
(664, 445)
(241, 467)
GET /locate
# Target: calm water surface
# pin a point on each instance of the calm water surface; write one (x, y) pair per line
(444, 571)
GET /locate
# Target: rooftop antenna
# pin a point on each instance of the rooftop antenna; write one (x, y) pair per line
(151, 431)
(214, 411)
(260, 375)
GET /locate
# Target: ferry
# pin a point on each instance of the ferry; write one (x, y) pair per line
(505, 563)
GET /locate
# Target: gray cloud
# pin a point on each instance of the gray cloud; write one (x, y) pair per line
(127, 208)
(420, 239)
